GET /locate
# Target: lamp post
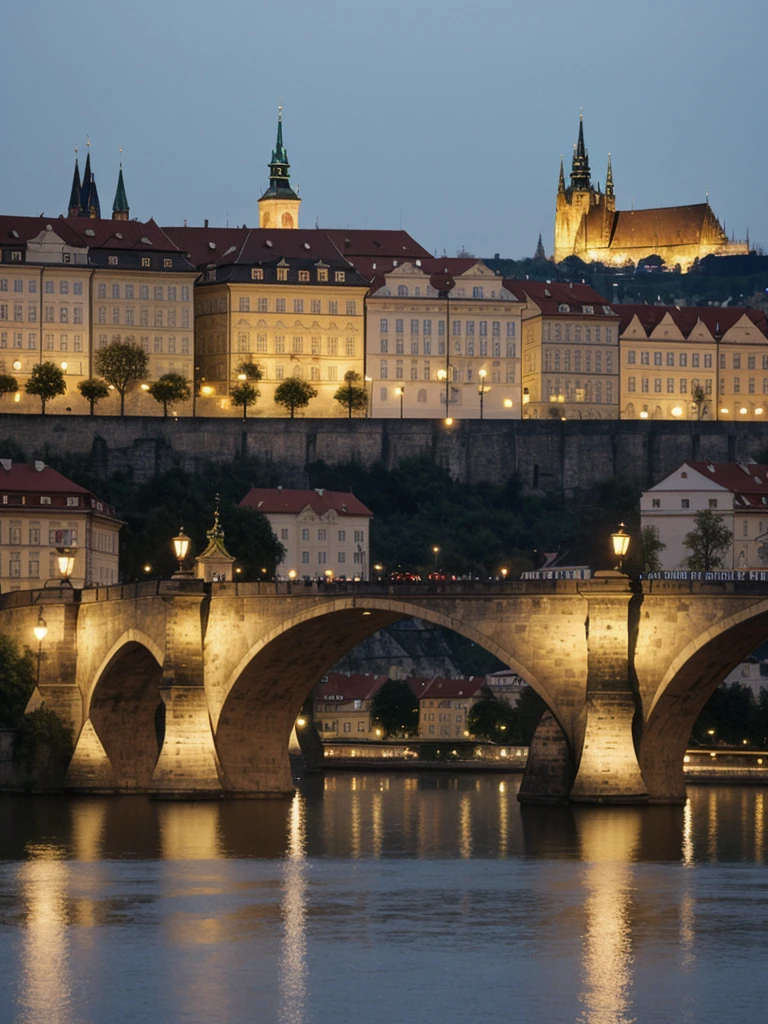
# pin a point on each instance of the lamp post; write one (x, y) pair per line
(66, 562)
(481, 389)
(620, 541)
(435, 552)
(400, 392)
(41, 631)
(180, 549)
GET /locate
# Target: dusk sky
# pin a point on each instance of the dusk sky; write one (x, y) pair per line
(447, 119)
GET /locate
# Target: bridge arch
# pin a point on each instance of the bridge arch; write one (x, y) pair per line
(126, 710)
(689, 681)
(265, 690)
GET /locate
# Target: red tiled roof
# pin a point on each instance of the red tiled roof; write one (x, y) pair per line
(83, 232)
(369, 242)
(548, 296)
(18, 478)
(738, 477)
(358, 686)
(274, 499)
(450, 689)
(717, 319)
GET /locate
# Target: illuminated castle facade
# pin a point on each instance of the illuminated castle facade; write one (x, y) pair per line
(588, 225)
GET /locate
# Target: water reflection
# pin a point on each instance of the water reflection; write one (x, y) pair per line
(45, 991)
(293, 961)
(609, 840)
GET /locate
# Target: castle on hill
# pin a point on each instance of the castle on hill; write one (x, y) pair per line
(588, 225)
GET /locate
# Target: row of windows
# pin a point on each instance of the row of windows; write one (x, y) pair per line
(339, 276)
(341, 557)
(170, 345)
(298, 306)
(668, 359)
(128, 291)
(14, 535)
(458, 327)
(470, 347)
(322, 534)
(330, 373)
(297, 345)
(576, 332)
(161, 318)
(346, 727)
(597, 392)
(554, 363)
(673, 385)
(458, 374)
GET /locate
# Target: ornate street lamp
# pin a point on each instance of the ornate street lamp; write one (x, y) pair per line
(435, 552)
(481, 389)
(400, 392)
(620, 541)
(180, 548)
(66, 563)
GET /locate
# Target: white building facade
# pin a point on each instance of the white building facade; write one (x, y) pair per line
(736, 492)
(324, 533)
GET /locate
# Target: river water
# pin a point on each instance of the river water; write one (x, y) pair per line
(383, 899)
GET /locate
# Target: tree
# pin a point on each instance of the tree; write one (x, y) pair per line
(708, 542)
(651, 546)
(698, 397)
(17, 681)
(8, 384)
(171, 387)
(46, 381)
(352, 394)
(396, 709)
(244, 394)
(491, 719)
(93, 390)
(250, 371)
(121, 363)
(294, 393)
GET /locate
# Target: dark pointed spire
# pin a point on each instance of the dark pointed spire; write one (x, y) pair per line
(540, 254)
(279, 178)
(580, 176)
(561, 182)
(89, 196)
(609, 177)
(120, 209)
(74, 195)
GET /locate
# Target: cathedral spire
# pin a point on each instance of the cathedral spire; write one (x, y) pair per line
(120, 208)
(89, 196)
(609, 177)
(74, 195)
(561, 182)
(279, 205)
(580, 176)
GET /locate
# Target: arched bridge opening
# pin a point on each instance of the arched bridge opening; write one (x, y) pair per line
(269, 686)
(689, 682)
(128, 715)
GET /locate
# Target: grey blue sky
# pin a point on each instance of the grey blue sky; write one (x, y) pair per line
(445, 118)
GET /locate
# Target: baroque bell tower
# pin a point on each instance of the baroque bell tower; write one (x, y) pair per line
(279, 206)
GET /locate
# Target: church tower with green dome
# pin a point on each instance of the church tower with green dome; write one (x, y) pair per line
(279, 206)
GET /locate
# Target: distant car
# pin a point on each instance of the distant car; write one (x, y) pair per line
(441, 577)
(404, 577)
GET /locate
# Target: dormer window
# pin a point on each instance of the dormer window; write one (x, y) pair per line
(145, 261)
(282, 273)
(257, 274)
(340, 276)
(588, 309)
(44, 500)
(563, 308)
(167, 263)
(322, 274)
(303, 275)
(112, 261)
(71, 502)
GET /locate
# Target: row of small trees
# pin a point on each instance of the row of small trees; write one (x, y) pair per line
(707, 542)
(123, 363)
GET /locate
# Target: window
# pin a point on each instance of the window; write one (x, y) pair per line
(257, 274)
(750, 362)
(341, 557)
(305, 558)
(279, 305)
(713, 502)
(351, 309)
(359, 536)
(282, 273)
(695, 359)
(383, 369)
(685, 503)
(284, 533)
(333, 308)
(683, 385)
(297, 345)
(245, 304)
(736, 385)
(322, 557)
(657, 358)
(644, 358)
(305, 534)
(631, 384)
(477, 292)
(737, 362)
(656, 502)
(657, 385)
(298, 305)
(670, 385)
(340, 276)
(322, 273)
(644, 384)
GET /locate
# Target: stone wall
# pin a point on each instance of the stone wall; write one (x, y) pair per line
(549, 456)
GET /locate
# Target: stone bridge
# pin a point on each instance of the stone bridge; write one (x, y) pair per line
(179, 687)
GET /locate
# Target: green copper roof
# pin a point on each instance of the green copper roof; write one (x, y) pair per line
(120, 204)
(279, 178)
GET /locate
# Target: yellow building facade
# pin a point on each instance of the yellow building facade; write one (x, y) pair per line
(693, 363)
(570, 352)
(68, 287)
(40, 512)
(443, 339)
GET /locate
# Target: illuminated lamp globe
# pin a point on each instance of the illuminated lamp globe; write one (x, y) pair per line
(66, 561)
(241, 376)
(181, 547)
(620, 541)
(41, 629)
(145, 387)
(759, 411)
(17, 364)
(207, 390)
(448, 421)
(743, 411)
(507, 403)
(677, 411)
(292, 574)
(64, 365)
(643, 414)
(723, 411)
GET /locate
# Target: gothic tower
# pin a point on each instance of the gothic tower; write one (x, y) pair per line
(573, 203)
(279, 206)
(74, 195)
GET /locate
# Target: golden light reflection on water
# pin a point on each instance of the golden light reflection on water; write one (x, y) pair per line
(712, 826)
(688, 834)
(503, 819)
(189, 831)
(465, 827)
(45, 993)
(293, 960)
(608, 842)
(759, 828)
(377, 814)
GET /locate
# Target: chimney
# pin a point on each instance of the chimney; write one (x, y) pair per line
(205, 223)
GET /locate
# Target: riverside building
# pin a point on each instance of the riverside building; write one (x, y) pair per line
(443, 339)
(40, 511)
